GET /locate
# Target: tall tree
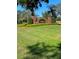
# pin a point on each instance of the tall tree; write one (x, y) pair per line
(34, 4)
(19, 17)
(52, 10)
(24, 16)
(31, 4)
(58, 9)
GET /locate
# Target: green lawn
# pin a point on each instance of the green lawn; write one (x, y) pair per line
(50, 34)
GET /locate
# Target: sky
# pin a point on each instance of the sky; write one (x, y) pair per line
(42, 9)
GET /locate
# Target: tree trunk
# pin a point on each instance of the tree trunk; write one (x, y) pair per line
(33, 18)
(49, 19)
(53, 15)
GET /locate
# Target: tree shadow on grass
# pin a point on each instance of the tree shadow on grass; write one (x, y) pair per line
(43, 51)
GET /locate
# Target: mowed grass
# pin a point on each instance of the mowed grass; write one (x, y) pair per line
(49, 34)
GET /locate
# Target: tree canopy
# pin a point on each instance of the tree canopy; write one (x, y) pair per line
(34, 4)
(31, 4)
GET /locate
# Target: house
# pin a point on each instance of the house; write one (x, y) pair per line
(40, 20)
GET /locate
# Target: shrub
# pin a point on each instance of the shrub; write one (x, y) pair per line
(19, 21)
(58, 19)
(29, 21)
(25, 20)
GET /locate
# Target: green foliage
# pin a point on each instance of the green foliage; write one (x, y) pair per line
(58, 8)
(24, 17)
(53, 10)
(58, 19)
(22, 1)
(31, 4)
(19, 22)
(31, 25)
(41, 50)
(29, 20)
